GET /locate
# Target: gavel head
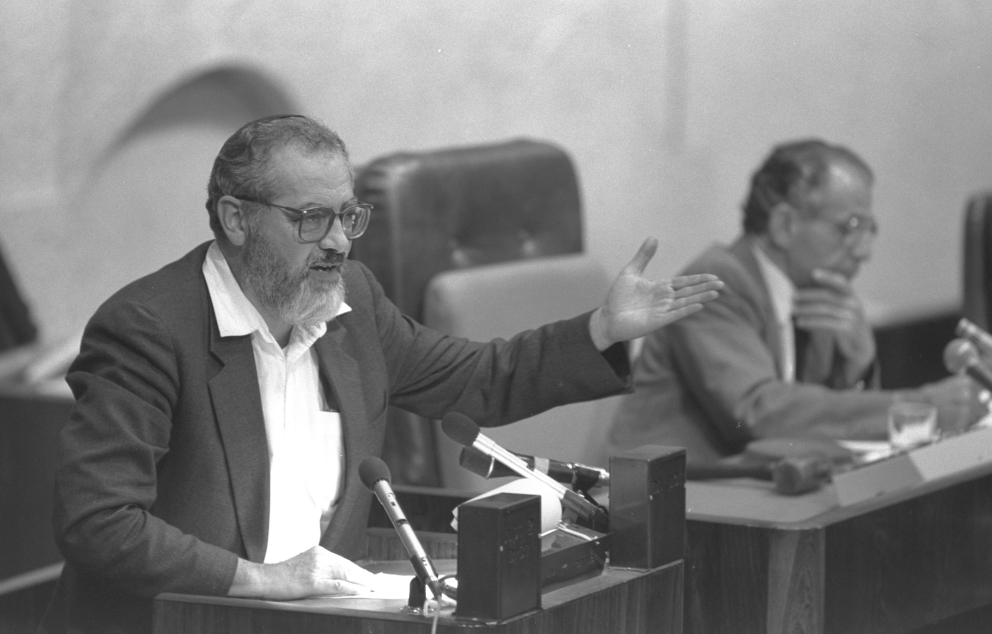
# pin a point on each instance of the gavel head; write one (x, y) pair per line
(800, 474)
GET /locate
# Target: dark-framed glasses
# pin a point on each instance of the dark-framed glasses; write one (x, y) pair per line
(316, 222)
(854, 228)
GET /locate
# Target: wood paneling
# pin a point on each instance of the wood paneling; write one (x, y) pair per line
(889, 565)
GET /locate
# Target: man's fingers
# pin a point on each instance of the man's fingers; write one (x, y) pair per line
(677, 314)
(832, 279)
(695, 298)
(814, 310)
(704, 281)
(821, 323)
(642, 257)
(338, 587)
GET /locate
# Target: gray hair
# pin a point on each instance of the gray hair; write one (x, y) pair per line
(790, 173)
(241, 168)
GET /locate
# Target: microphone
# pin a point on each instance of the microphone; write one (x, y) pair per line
(791, 476)
(579, 476)
(970, 331)
(465, 432)
(960, 355)
(375, 476)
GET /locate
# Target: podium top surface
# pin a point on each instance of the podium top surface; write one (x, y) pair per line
(392, 610)
(877, 485)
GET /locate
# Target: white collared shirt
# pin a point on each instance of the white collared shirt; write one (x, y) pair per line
(782, 291)
(306, 446)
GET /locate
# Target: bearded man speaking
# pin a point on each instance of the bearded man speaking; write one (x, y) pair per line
(224, 402)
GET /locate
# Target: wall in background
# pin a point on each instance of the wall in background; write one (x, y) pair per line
(112, 113)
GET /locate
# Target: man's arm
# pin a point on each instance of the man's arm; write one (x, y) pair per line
(730, 371)
(126, 384)
(833, 306)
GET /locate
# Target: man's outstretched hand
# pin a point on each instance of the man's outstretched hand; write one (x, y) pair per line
(636, 306)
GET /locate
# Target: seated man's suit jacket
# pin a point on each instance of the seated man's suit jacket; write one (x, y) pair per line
(164, 480)
(712, 381)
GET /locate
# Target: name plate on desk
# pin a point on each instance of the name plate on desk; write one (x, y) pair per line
(953, 455)
(947, 457)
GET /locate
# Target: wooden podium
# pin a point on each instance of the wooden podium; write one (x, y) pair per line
(644, 595)
(913, 556)
(616, 601)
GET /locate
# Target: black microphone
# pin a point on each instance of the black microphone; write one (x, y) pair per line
(960, 355)
(375, 476)
(464, 431)
(579, 476)
(970, 331)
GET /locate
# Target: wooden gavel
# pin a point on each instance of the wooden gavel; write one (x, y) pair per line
(791, 476)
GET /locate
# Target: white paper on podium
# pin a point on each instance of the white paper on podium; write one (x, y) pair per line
(550, 505)
(385, 586)
(953, 455)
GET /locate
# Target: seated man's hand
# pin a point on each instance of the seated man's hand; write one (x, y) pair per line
(314, 572)
(832, 305)
(636, 306)
(958, 403)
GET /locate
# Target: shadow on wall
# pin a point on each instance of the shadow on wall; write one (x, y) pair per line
(142, 205)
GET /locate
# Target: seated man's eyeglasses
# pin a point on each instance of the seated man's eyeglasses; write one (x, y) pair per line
(854, 228)
(316, 222)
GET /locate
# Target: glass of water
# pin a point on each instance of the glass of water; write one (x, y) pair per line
(911, 423)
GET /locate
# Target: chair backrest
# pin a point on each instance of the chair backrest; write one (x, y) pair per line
(500, 300)
(16, 325)
(460, 207)
(978, 259)
(457, 208)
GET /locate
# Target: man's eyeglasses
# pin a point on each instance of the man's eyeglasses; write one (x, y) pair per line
(854, 228)
(316, 222)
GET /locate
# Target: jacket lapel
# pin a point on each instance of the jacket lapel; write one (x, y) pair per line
(341, 371)
(742, 250)
(238, 408)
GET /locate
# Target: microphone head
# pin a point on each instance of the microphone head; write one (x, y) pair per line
(959, 354)
(460, 428)
(372, 470)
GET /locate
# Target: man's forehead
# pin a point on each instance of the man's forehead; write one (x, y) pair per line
(846, 192)
(295, 169)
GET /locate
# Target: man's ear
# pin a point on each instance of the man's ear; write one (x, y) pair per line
(781, 225)
(232, 219)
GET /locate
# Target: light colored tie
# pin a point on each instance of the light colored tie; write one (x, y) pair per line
(788, 343)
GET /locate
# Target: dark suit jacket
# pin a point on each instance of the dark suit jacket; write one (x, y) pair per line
(711, 382)
(164, 476)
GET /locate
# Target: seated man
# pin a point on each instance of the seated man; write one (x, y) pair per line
(785, 350)
(225, 402)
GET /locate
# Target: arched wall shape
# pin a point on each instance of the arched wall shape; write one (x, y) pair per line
(142, 203)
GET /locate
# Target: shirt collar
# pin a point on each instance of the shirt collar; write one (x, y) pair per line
(780, 287)
(236, 315)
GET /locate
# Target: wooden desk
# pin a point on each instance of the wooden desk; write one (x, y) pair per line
(762, 563)
(618, 600)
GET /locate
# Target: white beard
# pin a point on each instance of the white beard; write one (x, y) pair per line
(298, 298)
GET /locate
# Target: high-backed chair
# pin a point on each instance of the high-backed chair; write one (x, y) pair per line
(978, 259)
(458, 208)
(501, 300)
